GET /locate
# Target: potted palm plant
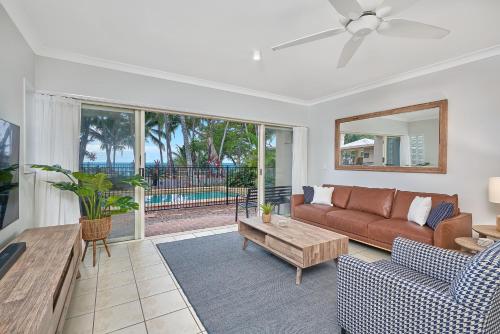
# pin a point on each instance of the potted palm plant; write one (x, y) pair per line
(97, 205)
(267, 209)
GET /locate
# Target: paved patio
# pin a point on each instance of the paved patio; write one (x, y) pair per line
(181, 220)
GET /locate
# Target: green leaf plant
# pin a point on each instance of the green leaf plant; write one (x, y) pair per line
(267, 208)
(93, 191)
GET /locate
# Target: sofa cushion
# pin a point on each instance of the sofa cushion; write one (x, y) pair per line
(439, 213)
(313, 212)
(403, 201)
(350, 221)
(386, 230)
(308, 194)
(372, 200)
(476, 286)
(340, 196)
(412, 275)
(322, 195)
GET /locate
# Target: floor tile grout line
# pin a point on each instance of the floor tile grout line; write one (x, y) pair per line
(162, 315)
(119, 304)
(122, 328)
(179, 288)
(138, 295)
(119, 329)
(96, 284)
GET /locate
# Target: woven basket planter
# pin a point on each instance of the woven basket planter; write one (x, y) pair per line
(96, 229)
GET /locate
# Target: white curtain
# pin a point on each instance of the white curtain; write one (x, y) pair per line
(53, 132)
(299, 162)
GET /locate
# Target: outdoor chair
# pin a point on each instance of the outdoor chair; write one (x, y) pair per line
(422, 289)
(274, 195)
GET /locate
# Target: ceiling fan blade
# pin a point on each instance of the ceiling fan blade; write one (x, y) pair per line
(349, 50)
(391, 7)
(347, 8)
(310, 38)
(410, 29)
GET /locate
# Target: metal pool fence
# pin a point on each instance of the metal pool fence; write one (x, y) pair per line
(184, 187)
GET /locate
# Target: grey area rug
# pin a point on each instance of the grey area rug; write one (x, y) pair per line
(251, 291)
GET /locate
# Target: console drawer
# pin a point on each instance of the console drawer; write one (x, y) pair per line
(293, 253)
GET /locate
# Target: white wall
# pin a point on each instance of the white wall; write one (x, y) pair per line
(67, 77)
(473, 135)
(16, 61)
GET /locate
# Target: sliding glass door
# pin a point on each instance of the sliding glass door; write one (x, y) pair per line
(189, 162)
(277, 173)
(109, 145)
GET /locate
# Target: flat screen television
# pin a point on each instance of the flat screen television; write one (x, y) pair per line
(9, 173)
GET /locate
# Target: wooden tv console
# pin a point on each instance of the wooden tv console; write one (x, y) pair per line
(36, 291)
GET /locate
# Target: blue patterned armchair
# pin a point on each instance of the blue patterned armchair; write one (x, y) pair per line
(422, 289)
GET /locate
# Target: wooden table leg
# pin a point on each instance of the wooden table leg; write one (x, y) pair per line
(298, 277)
(106, 246)
(94, 249)
(78, 275)
(85, 250)
(245, 243)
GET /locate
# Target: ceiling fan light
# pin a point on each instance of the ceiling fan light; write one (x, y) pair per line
(257, 55)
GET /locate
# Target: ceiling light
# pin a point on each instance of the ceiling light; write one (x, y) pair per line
(257, 56)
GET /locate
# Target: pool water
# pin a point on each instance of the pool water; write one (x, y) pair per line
(176, 198)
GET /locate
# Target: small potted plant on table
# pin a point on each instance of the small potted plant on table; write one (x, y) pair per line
(98, 204)
(267, 209)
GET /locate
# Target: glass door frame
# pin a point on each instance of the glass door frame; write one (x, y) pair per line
(140, 115)
(138, 154)
(140, 138)
(261, 175)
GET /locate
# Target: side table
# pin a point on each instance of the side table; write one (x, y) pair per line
(469, 244)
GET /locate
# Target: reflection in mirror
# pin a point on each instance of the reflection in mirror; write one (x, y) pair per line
(406, 140)
(410, 139)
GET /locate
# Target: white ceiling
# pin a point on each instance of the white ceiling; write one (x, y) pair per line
(211, 42)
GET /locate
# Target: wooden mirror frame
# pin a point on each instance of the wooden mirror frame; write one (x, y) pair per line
(443, 139)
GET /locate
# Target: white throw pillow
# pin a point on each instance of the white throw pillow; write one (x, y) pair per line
(419, 210)
(323, 195)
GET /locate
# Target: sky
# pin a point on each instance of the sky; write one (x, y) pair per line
(127, 155)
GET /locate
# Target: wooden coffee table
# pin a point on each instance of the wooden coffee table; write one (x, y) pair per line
(300, 244)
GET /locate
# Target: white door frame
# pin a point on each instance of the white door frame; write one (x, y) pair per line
(140, 120)
(261, 154)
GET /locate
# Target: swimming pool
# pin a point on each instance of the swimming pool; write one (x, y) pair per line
(187, 197)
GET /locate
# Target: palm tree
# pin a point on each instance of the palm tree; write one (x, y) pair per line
(113, 134)
(187, 141)
(154, 131)
(171, 123)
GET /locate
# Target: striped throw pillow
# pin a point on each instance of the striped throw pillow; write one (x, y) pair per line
(440, 212)
(308, 194)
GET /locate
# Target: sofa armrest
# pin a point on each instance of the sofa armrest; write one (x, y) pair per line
(296, 200)
(441, 264)
(450, 229)
(372, 300)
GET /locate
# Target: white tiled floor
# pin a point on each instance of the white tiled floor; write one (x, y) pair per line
(134, 292)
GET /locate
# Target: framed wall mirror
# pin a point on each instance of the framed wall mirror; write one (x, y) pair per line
(411, 139)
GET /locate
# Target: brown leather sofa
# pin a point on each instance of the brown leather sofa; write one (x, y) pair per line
(377, 216)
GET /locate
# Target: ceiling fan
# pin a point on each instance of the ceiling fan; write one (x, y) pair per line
(362, 19)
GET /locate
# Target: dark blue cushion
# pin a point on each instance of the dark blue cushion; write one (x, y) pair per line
(440, 212)
(308, 194)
